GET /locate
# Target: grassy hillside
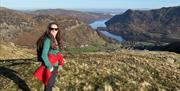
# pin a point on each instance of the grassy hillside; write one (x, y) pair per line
(9, 50)
(100, 71)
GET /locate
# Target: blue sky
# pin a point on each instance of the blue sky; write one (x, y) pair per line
(86, 4)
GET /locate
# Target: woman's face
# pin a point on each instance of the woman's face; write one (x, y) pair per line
(54, 29)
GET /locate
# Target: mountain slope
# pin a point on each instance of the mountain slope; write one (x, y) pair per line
(157, 25)
(24, 28)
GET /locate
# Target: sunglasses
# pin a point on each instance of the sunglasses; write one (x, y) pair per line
(56, 29)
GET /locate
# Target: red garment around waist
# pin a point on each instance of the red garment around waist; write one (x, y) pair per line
(53, 58)
(42, 72)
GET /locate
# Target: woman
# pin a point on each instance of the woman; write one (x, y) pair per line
(48, 46)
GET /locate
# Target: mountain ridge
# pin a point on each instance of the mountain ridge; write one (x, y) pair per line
(87, 17)
(157, 24)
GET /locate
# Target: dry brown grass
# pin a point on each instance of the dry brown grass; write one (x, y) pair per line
(9, 50)
(102, 71)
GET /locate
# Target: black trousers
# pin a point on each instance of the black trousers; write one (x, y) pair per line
(51, 80)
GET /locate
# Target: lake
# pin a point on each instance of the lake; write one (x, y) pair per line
(98, 23)
(101, 23)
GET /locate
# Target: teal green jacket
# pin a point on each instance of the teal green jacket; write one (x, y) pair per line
(46, 49)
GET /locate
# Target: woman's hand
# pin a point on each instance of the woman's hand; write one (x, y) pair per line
(52, 69)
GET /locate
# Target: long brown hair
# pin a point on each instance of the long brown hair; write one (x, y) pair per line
(47, 33)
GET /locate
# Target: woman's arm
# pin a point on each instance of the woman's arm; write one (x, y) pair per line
(44, 55)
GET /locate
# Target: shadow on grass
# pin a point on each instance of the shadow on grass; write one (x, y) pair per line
(11, 74)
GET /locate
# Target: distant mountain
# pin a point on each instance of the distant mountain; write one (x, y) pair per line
(24, 28)
(154, 25)
(104, 11)
(87, 17)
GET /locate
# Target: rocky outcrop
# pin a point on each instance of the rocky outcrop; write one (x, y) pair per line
(24, 28)
(154, 25)
(13, 22)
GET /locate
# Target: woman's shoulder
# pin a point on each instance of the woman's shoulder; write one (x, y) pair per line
(47, 40)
